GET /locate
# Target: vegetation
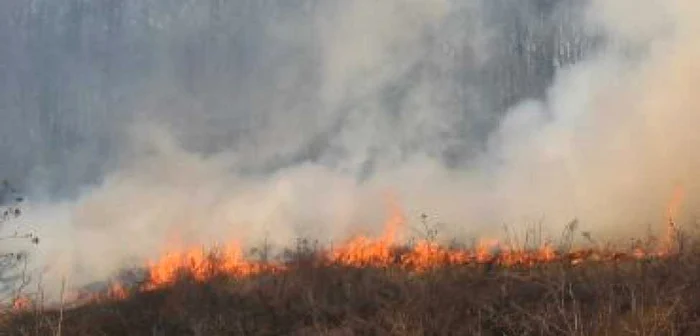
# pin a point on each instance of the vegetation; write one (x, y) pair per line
(648, 296)
(526, 288)
(13, 237)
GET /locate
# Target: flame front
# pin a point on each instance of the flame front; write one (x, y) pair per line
(202, 265)
(229, 260)
(22, 303)
(363, 251)
(672, 210)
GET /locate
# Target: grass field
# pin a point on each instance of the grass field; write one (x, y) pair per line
(610, 296)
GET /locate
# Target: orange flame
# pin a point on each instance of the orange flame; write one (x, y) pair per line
(22, 303)
(117, 291)
(363, 251)
(202, 265)
(676, 202)
(671, 213)
(382, 252)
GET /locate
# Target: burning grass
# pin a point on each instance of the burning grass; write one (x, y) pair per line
(650, 296)
(373, 286)
(378, 286)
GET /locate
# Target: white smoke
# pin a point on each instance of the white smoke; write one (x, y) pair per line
(609, 142)
(613, 139)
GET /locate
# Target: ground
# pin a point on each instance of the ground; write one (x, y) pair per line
(646, 296)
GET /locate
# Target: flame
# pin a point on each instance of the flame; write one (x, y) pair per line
(396, 221)
(426, 255)
(117, 291)
(202, 265)
(676, 202)
(383, 251)
(429, 255)
(363, 251)
(22, 303)
(671, 213)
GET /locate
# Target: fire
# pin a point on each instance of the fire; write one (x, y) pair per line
(484, 250)
(363, 251)
(384, 251)
(117, 291)
(22, 303)
(428, 255)
(676, 202)
(671, 213)
(202, 265)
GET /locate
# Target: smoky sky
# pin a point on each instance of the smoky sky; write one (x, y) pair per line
(137, 124)
(248, 75)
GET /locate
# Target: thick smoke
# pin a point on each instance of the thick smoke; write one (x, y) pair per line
(614, 137)
(303, 118)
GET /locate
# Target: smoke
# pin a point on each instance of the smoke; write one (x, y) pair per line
(302, 123)
(613, 138)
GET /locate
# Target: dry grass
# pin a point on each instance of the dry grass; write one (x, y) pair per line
(649, 297)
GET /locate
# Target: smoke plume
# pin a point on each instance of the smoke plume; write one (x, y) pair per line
(303, 121)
